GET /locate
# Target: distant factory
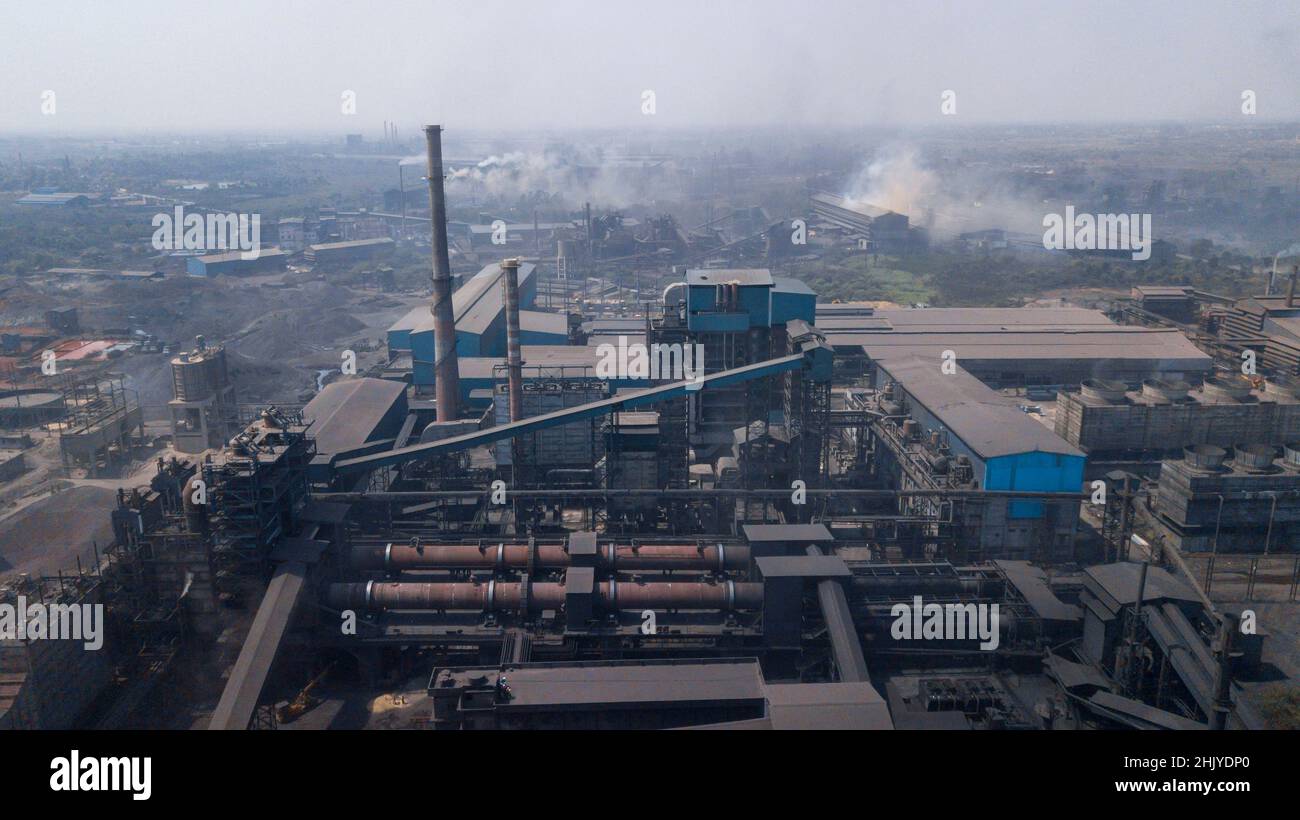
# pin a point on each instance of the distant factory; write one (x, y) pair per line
(872, 227)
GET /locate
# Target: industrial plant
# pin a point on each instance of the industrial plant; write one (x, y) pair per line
(375, 371)
(623, 474)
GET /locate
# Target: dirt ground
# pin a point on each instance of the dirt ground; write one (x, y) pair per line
(48, 520)
(49, 535)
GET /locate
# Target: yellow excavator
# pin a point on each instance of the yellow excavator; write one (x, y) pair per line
(290, 710)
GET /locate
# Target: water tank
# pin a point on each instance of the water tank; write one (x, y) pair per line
(1226, 388)
(1285, 390)
(1160, 391)
(1254, 456)
(1291, 454)
(1102, 390)
(1204, 456)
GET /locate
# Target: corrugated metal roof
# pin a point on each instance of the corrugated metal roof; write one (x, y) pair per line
(1031, 583)
(541, 322)
(800, 533)
(354, 243)
(1119, 582)
(474, 304)
(623, 683)
(346, 414)
(248, 676)
(836, 705)
(786, 284)
(238, 256)
(990, 424)
(858, 207)
(1136, 344)
(993, 334)
(486, 302)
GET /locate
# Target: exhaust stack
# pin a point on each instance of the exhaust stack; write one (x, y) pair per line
(446, 369)
(514, 358)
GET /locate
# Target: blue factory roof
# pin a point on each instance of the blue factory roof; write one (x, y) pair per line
(786, 284)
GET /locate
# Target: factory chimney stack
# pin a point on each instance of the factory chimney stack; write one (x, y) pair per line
(446, 370)
(514, 359)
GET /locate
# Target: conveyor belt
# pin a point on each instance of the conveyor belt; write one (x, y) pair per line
(614, 404)
(248, 676)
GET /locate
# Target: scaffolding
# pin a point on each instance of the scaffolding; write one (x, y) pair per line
(257, 484)
(100, 415)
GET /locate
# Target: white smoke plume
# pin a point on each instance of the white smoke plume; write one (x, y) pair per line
(896, 180)
(570, 175)
(946, 201)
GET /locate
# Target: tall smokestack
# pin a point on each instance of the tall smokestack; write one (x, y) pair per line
(446, 370)
(514, 358)
(1290, 289)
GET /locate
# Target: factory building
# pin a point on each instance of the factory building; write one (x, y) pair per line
(518, 235)
(1268, 324)
(740, 317)
(949, 429)
(336, 254)
(237, 263)
(877, 229)
(291, 234)
(1174, 302)
(479, 310)
(48, 198)
(1018, 347)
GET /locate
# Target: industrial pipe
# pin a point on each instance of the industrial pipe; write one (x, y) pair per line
(446, 369)
(514, 358)
(700, 557)
(534, 597)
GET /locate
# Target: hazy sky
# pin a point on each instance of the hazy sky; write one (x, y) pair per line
(272, 66)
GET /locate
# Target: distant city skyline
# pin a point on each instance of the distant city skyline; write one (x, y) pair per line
(247, 66)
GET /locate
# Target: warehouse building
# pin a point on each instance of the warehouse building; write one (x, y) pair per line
(951, 430)
(479, 310)
(1269, 324)
(335, 254)
(237, 263)
(1017, 347)
(881, 229)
